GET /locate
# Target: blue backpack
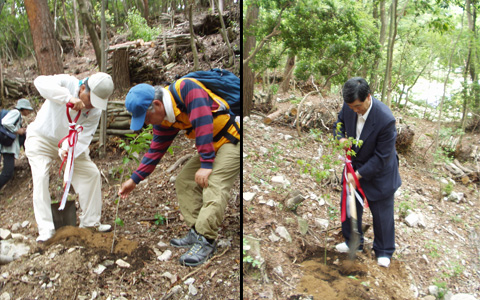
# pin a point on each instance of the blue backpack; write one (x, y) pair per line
(6, 137)
(222, 83)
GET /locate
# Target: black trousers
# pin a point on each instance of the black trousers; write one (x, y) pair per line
(383, 226)
(8, 168)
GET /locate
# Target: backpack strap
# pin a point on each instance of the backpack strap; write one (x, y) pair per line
(224, 132)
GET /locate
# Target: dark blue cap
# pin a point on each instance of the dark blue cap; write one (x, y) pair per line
(137, 102)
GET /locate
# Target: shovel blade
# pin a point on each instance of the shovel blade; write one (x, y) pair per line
(354, 241)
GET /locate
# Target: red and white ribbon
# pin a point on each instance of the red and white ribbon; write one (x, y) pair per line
(72, 139)
(349, 169)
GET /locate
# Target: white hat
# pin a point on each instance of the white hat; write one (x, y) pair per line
(101, 87)
(23, 104)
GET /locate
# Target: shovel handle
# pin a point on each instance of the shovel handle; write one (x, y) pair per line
(351, 202)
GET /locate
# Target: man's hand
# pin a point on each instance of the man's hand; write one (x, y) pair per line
(62, 153)
(77, 103)
(21, 131)
(201, 177)
(351, 180)
(126, 188)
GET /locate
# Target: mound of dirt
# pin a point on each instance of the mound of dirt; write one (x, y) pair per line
(73, 236)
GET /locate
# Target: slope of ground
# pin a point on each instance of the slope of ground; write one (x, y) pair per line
(79, 264)
(292, 253)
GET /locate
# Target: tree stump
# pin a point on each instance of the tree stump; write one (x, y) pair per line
(120, 70)
(404, 138)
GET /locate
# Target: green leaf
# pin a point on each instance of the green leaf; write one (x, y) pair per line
(119, 222)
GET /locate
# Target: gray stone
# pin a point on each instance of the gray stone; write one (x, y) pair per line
(5, 234)
(283, 233)
(248, 196)
(99, 269)
(5, 296)
(122, 264)
(165, 256)
(322, 223)
(273, 237)
(463, 297)
(302, 226)
(433, 290)
(192, 290)
(189, 281)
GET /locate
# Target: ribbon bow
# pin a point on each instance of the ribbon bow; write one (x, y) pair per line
(349, 169)
(72, 139)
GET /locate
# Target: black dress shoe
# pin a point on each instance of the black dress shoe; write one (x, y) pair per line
(199, 253)
(186, 241)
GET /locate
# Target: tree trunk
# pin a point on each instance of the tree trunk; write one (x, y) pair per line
(391, 43)
(86, 13)
(45, 45)
(378, 59)
(192, 38)
(248, 75)
(287, 74)
(471, 17)
(120, 70)
(223, 30)
(77, 31)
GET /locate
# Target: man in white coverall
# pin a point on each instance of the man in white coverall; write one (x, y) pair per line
(89, 96)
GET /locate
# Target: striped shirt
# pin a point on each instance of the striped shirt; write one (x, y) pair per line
(199, 106)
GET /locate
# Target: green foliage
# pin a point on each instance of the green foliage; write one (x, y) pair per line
(159, 219)
(15, 37)
(403, 208)
(442, 288)
(119, 222)
(247, 258)
(139, 29)
(134, 145)
(448, 189)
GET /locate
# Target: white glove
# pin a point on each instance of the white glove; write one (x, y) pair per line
(62, 153)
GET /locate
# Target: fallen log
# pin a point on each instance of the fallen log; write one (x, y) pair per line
(179, 162)
(285, 112)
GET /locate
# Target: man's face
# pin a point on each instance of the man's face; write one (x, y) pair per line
(156, 115)
(85, 97)
(360, 107)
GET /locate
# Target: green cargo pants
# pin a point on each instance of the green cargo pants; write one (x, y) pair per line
(205, 208)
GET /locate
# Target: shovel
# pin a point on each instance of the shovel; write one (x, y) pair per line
(354, 241)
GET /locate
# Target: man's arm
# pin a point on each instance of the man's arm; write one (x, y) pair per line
(162, 139)
(54, 87)
(384, 148)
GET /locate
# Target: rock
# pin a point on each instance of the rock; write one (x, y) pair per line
(16, 226)
(176, 289)
(288, 137)
(14, 250)
(108, 263)
(455, 197)
(5, 296)
(25, 224)
(192, 290)
(162, 245)
(302, 226)
(429, 297)
(280, 179)
(283, 233)
(271, 203)
(224, 243)
(99, 269)
(122, 264)
(167, 275)
(463, 297)
(5, 234)
(248, 196)
(433, 290)
(278, 270)
(412, 220)
(273, 237)
(253, 248)
(189, 281)
(322, 223)
(165, 256)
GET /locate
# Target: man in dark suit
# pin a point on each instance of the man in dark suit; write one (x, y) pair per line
(375, 163)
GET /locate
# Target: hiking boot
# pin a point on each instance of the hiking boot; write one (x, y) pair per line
(383, 261)
(199, 253)
(186, 241)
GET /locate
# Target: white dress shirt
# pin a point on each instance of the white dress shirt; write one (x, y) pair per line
(361, 119)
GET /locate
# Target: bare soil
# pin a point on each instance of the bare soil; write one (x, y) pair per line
(444, 253)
